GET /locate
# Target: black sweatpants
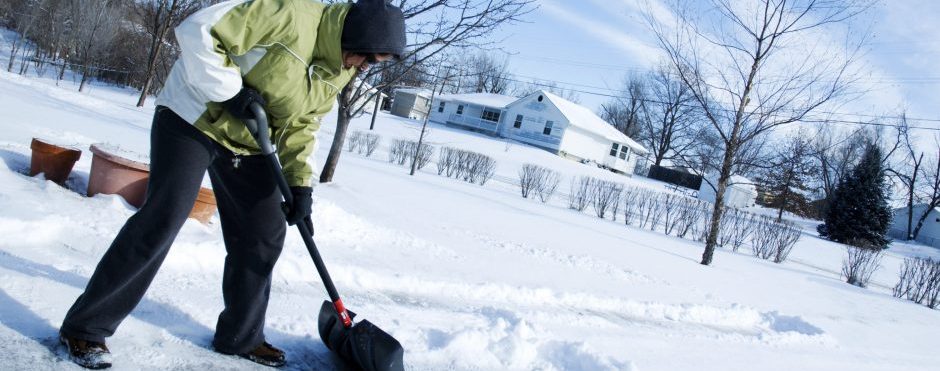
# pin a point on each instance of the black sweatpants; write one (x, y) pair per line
(253, 227)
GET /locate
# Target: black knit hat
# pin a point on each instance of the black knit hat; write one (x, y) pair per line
(373, 26)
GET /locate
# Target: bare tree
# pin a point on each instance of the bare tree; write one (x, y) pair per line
(95, 22)
(157, 18)
(908, 171)
(734, 59)
(931, 190)
(434, 26)
(836, 155)
(489, 74)
(670, 127)
(25, 16)
(626, 110)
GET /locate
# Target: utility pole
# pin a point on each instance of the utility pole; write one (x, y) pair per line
(414, 159)
(375, 111)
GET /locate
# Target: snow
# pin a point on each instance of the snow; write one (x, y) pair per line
(425, 93)
(483, 99)
(467, 277)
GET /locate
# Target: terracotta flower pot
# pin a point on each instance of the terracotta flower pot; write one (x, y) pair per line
(204, 207)
(113, 174)
(52, 160)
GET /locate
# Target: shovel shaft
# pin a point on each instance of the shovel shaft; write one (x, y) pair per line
(259, 130)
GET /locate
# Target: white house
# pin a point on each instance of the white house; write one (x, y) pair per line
(545, 120)
(741, 191)
(412, 103)
(929, 233)
(480, 112)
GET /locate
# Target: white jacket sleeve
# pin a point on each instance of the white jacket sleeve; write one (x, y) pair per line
(207, 66)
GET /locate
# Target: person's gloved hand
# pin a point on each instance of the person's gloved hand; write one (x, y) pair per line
(302, 207)
(239, 105)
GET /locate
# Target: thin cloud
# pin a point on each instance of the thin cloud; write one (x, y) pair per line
(640, 51)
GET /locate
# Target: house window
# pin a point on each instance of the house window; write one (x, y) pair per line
(460, 109)
(613, 150)
(548, 127)
(490, 115)
(624, 152)
(518, 123)
(440, 107)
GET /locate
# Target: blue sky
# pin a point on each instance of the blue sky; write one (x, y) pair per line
(596, 43)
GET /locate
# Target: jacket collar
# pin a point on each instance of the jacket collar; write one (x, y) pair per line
(328, 53)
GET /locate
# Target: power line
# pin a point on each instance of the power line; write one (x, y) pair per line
(545, 83)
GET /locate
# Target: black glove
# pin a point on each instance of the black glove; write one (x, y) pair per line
(239, 105)
(302, 207)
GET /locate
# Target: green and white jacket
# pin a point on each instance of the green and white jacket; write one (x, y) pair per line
(289, 50)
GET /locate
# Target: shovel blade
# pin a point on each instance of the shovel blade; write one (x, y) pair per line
(364, 344)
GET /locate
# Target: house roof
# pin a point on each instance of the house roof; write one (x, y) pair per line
(586, 119)
(483, 99)
(917, 206)
(424, 93)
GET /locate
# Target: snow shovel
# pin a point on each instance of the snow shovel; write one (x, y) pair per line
(360, 343)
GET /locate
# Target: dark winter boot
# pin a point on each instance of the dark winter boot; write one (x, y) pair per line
(265, 354)
(88, 354)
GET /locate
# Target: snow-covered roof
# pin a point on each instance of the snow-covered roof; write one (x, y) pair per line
(483, 99)
(586, 119)
(736, 181)
(424, 93)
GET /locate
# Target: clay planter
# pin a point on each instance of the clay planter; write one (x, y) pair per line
(204, 207)
(52, 160)
(113, 174)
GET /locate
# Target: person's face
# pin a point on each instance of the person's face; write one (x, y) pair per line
(363, 61)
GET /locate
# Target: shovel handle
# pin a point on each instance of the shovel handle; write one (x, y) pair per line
(258, 127)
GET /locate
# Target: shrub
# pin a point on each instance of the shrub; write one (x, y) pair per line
(371, 144)
(919, 282)
(604, 196)
(465, 165)
(404, 152)
(580, 194)
(860, 263)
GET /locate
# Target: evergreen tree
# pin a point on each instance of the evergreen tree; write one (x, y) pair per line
(859, 214)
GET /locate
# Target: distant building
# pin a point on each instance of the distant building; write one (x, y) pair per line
(929, 232)
(546, 120)
(741, 191)
(412, 103)
(481, 112)
(543, 120)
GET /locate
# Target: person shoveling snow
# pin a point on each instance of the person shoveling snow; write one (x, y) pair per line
(290, 56)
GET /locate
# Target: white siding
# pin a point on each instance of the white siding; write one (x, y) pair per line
(929, 234)
(587, 145)
(736, 195)
(535, 116)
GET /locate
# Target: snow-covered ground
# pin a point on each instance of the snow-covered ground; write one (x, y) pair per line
(466, 277)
